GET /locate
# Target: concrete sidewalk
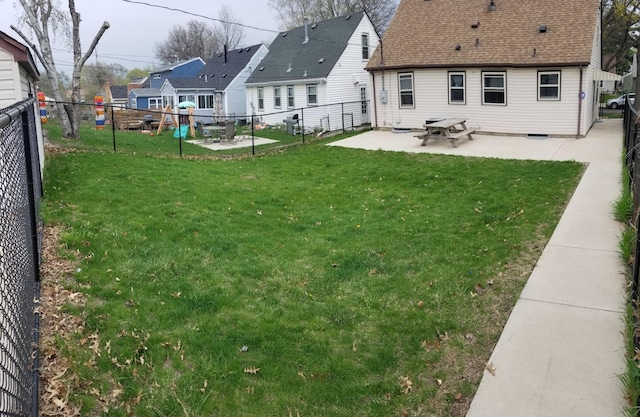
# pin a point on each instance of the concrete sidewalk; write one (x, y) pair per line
(562, 348)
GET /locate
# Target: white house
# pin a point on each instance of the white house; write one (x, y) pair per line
(218, 90)
(507, 66)
(310, 71)
(18, 77)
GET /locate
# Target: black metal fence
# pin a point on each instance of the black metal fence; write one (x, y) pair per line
(20, 243)
(301, 124)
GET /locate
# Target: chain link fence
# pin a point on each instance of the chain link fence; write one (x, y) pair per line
(20, 243)
(188, 130)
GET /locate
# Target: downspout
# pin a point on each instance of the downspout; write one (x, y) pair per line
(580, 104)
(375, 104)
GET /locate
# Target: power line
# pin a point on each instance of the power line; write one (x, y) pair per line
(199, 15)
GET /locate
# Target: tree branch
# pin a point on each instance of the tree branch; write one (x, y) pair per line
(33, 47)
(95, 41)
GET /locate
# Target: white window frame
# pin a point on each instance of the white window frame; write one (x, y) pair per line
(209, 101)
(403, 92)
(312, 99)
(157, 103)
(186, 97)
(291, 102)
(365, 46)
(541, 86)
(156, 76)
(260, 98)
(134, 103)
(277, 97)
(453, 88)
(364, 103)
(167, 101)
(503, 89)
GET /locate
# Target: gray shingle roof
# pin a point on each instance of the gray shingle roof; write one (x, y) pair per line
(172, 66)
(146, 92)
(118, 91)
(218, 74)
(291, 59)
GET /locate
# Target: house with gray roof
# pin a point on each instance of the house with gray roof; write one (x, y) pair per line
(218, 90)
(146, 99)
(117, 95)
(310, 70)
(507, 67)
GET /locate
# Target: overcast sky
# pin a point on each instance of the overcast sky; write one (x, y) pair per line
(136, 28)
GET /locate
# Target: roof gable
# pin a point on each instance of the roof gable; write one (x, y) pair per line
(21, 54)
(175, 65)
(447, 33)
(118, 91)
(291, 58)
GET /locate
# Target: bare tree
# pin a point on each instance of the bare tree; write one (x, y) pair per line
(42, 17)
(293, 12)
(228, 29)
(195, 39)
(96, 77)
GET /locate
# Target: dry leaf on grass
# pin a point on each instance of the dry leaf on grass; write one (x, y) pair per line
(251, 370)
(406, 384)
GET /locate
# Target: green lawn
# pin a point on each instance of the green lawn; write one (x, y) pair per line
(321, 281)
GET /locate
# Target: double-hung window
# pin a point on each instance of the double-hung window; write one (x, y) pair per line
(290, 97)
(260, 98)
(155, 103)
(494, 88)
(405, 87)
(549, 85)
(205, 101)
(365, 46)
(186, 97)
(277, 98)
(312, 94)
(457, 88)
(364, 107)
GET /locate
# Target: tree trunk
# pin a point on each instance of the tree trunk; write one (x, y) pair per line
(37, 15)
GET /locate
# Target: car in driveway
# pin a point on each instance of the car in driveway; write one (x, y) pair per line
(620, 101)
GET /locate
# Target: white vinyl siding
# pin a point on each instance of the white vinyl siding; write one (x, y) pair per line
(525, 113)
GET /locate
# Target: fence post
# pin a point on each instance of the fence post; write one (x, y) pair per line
(342, 116)
(253, 142)
(302, 113)
(113, 129)
(35, 254)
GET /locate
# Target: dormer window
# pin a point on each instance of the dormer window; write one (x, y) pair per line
(365, 46)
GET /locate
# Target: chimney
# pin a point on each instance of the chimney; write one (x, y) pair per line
(131, 86)
(306, 30)
(225, 53)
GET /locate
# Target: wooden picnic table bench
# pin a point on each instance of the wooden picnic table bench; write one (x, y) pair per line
(447, 129)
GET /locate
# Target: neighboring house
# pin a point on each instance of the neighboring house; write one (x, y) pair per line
(218, 90)
(511, 67)
(309, 70)
(145, 98)
(183, 69)
(18, 77)
(117, 95)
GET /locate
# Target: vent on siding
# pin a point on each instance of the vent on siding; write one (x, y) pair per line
(537, 136)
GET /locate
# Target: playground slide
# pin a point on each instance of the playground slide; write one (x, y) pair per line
(182, 133)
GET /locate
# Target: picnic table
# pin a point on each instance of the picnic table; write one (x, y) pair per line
(451, 129)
